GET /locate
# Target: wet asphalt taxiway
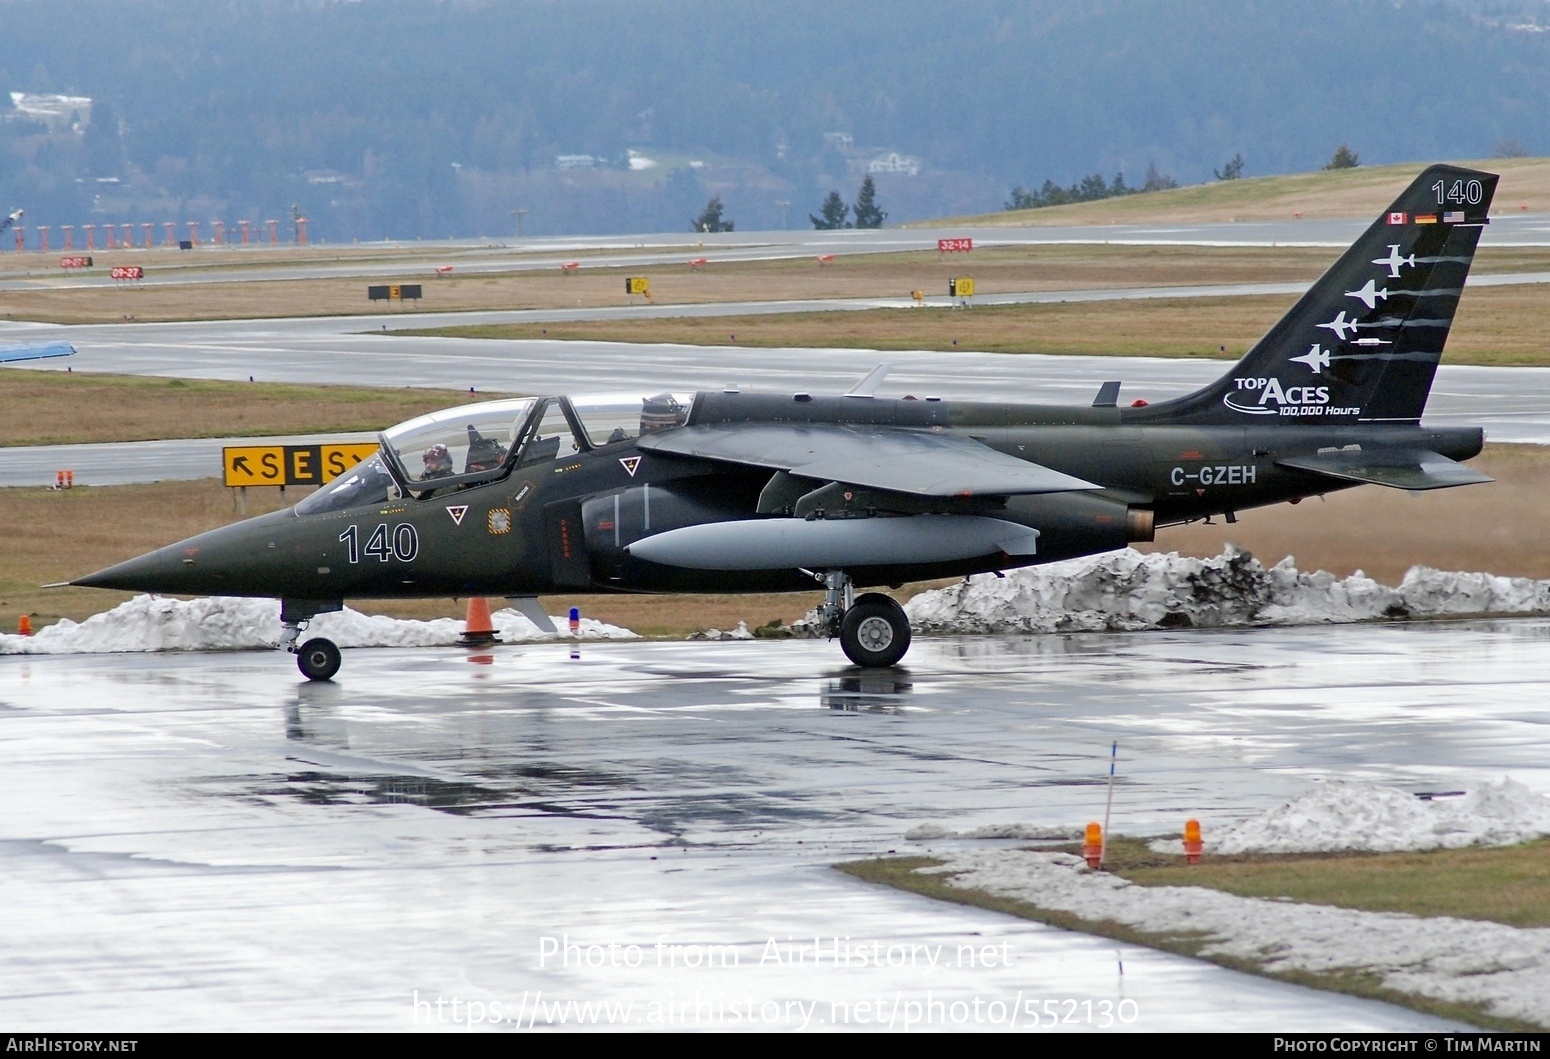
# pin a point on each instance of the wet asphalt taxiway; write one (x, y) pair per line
(209, 842)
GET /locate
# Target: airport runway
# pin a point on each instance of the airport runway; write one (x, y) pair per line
(208, 842)
(639, 251)
(1512, 404)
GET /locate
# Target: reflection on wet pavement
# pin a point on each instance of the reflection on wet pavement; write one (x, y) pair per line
(201, 841)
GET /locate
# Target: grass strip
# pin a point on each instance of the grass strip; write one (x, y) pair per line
(52, 407)
(903, 873)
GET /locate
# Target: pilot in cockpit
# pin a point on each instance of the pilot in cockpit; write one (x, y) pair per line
(662, 412)
(438, 462)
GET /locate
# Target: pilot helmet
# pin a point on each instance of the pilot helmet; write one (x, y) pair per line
(437, 459)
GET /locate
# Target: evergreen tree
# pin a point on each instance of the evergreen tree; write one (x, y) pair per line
(710, 219)
(867, 213)
(1022, 199)
(1343, 158)
(1232, 170)
(1156, 180)
(831, 213)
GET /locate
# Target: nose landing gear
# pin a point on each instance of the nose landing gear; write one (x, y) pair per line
(318, 659)
(873, 629)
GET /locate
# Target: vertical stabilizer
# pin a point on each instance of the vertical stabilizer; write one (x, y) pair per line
(1363, 343)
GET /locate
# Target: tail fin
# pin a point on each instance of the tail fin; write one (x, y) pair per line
(1363, 343)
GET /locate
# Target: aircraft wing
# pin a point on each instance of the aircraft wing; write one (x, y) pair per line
(1395, 468)
(36, 352)
(889, 458)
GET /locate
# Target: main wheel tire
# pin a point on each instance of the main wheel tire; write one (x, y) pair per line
(318, 659)
(875, 631)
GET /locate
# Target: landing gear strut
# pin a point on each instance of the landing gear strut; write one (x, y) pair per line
(873, 629)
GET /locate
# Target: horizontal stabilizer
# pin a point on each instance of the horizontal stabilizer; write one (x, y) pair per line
(1395, 468)
(41, 351)
(819, 544)
(888, 458)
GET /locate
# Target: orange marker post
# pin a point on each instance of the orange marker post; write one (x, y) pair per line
(1193, 845)
(24, 625)
(1092, 846)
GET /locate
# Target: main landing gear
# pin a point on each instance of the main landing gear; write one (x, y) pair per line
(318, 659)
(873, 629)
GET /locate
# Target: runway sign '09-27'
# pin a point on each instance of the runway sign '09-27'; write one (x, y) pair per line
(127, 272)
(281, 465)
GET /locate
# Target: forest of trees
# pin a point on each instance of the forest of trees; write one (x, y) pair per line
(421, 118)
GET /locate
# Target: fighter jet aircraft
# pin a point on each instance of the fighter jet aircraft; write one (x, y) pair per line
(721, 491)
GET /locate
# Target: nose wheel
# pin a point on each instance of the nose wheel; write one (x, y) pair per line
(318, 659)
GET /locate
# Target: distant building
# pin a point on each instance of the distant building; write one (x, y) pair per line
(840, 141)
(894, 162)
(59, 113)
(575, 161)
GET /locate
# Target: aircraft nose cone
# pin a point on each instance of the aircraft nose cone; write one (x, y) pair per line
(219, 562)
(158, 571)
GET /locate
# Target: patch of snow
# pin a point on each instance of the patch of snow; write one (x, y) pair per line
(739, 633)
(227, 623)
(1026, 832)
(1129, 590)
(1344, 815)
(1505, 969)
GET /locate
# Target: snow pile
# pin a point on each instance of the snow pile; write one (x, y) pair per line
(1129, 590)
(739, 633)
(227, 623)
(1342, 815)
(1026, 832)
(1505, 969)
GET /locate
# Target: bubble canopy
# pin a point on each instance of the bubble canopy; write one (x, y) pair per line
(480, 442)
(473, 439)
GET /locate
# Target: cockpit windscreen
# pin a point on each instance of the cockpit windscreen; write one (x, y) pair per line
(619, 417)
(458, 441)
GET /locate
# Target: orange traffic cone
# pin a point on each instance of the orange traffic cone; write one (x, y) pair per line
(1092, 846)
(1193, 844)
(24, 625)
(477, 630)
